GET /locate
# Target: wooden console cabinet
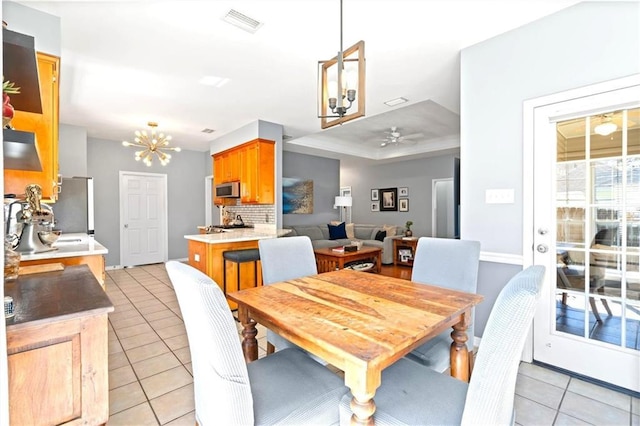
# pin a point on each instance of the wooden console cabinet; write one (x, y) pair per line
(57, 349)
(408, 246)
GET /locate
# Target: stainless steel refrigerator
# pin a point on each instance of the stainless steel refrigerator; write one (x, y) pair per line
(73, 212)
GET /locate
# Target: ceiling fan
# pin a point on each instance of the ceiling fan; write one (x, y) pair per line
(394, 137)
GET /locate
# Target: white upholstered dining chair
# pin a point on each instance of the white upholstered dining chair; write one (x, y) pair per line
(284, 259)
(413, 395)
(287, 387)
(446, 263)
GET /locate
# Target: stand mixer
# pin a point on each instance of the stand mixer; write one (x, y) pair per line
(37, 234)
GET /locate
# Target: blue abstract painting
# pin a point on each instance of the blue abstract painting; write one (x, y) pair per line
(297, 196)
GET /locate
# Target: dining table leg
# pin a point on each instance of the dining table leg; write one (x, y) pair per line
(362, 409)
(249, 332)
(459, 353)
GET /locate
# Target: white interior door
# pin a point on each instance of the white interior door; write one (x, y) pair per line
(143, 218)
(442, 214)
(586, 224)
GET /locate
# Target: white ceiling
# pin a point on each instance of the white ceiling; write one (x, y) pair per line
(125, 63)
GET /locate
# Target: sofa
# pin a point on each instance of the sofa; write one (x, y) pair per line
(320, 236)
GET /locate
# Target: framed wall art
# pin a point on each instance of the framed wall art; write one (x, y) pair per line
(375, 206)
(374, 195)
(403, 204)
(403, 192)
(297, 196)
(389, 200)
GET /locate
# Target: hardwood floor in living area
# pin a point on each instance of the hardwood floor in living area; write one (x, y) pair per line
(151, 382)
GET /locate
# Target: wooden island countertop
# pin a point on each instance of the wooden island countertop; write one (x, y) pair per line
(57, 348)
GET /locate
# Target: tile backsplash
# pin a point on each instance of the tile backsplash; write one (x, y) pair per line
(252, 214)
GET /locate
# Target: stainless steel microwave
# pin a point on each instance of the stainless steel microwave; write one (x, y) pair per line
(228, 190)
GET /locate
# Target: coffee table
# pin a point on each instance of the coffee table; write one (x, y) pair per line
(329, 260)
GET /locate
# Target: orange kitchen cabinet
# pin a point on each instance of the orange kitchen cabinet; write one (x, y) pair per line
(45, 126)
(252, 164)
(257, 179)
(226, 167)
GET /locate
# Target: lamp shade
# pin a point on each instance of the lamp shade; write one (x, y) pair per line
(343, 201)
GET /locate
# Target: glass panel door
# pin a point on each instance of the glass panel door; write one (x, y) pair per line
(597, 199)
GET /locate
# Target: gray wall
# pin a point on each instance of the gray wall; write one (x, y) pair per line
(585, 44)
(416, 175)
(72, 151)
(185, 186)
(325, 173)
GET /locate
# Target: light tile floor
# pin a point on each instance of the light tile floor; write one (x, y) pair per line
(151, 383)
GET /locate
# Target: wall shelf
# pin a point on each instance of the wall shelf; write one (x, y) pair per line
(20, 152)
(20, 67)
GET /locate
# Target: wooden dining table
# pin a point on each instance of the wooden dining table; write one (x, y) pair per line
(358, 322)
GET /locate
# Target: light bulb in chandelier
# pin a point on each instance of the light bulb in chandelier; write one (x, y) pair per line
(153, 143)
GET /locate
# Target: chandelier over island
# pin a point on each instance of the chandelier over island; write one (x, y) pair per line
(341, 82)
(153, 143)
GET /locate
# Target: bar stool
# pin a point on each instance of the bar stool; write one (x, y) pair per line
(239, 257)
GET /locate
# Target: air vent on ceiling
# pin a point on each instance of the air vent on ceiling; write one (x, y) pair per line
(207, 130)
(241, 20)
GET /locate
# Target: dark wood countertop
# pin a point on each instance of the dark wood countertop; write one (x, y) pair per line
(56, 296)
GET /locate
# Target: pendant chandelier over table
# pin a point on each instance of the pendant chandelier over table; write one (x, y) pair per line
(341, 82)
(152, 143)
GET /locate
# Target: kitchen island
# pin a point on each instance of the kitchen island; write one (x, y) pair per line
(72, 249)
(57, 351)
(205, 254)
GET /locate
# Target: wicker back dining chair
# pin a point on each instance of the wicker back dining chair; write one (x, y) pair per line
(285, 388)
(411, 394)
(446, 263)
(285, 259)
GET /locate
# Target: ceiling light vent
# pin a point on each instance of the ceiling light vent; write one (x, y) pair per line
(242, 21)
(396, 101)
(207, 130)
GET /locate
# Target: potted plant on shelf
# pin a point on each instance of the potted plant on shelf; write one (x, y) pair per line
(408, 232)
(7, 109)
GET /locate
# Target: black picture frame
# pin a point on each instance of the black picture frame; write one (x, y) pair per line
(389, 200)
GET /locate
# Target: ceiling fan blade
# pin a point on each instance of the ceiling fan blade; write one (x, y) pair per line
(414, 136)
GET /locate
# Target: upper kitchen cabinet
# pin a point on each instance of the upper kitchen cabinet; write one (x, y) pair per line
(229, 166)
(257, 172)
(45, 127)
(252, 164)
(226, 168)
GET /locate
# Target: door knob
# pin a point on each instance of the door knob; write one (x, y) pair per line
(543, 231)
(542, 248)
(126, 225)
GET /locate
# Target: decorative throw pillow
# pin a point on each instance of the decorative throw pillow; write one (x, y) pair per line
(350, 233)
(380, 235)
(390, 230)
(337, 232)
